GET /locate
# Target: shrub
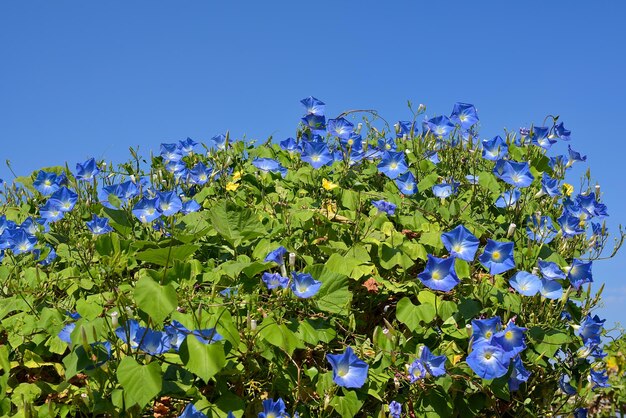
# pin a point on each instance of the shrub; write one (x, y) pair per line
(353, 270)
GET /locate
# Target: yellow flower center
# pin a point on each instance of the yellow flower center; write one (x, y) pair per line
(496, 255)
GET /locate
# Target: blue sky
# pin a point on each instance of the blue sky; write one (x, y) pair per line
(81, 79)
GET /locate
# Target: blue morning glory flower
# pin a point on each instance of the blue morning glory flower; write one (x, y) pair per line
(290, 145)
(304, 285)
(64, 334)
(129, 331)
(497, 257)
(518, 375)
(565, 386)
(508, 199)
(387, 144)
(190, 411)
(269, 165)
(275, 280)
(562, 133)
(445, 190)
(316, 123)
(551, 289)
(276, 255)
(435, 365)
(384, 206)
(199, 174)
(218, 142)
(550, 270)
(574, 156)
(550, 186)
(540, 229)
(488, 361)
(169, 203)
(207, 336)
(171, 152)
(440, 126)
(579, 273)
(313, 106)
(177, 333)
(511, 339)
(349, 371)
(187, 145)
(273, 409)
(341, 128)
(590, 329)
(464, 114)
(354, 142)
(46, 183)
(483, 330)
(22, 241)
(190, 206)
(494, 149)
(432, 156)
(152, 342)
(393, 164)
(525, 283)
(416, 371)
(513, 173)
(52, 255)
(591, 351)
(405, 127)
(439, 274)
(87, 170)
(599, 378)
(570, 225)
(406, 183)
(461, 243)
(541, 137)
(316, 154)
(591, 206)
(99, 226)
(395, 409)
(146, 210)
(64, 199)
(31, 226)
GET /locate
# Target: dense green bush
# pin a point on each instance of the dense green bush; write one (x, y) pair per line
(354, 270)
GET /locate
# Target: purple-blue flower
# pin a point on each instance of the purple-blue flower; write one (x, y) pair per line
(349, 371)
(384, 206)
(304, 285)
(393, 164)
(439, 274)
(497, 257)
(98, 225)
(461, 243)
(525, 283)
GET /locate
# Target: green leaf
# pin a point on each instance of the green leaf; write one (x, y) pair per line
(279, 335)
(203, 360)
(411, 315)
(236, 224)
(348, 405)
(334, 295)
(391, 257)
(166, 256)
(154, 299)
(141, 383)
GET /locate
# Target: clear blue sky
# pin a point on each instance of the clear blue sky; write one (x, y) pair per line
(84, 78)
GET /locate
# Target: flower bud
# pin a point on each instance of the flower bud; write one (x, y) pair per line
(283, 270)
(597, 192)
(253, 324)
(292, 260)
(114, 319)
(511, 230)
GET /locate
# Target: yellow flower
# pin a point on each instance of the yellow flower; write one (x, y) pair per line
(236, 176)
(231, 186)
(329, 185)
(568, 189)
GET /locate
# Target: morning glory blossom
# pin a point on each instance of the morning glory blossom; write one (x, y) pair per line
(274, 280)
(579, 273)
(483, 330)
(384, 206)
(406, 183)
(276, 255)
(464, 114)
(316, 154)
(508, 199)
(445, 190)
(349, 371)
(341, 128)
(461, 243)
(525, 283)
(313, 106)
(494, 149)
(304, 285)
(190, 411)
(393, 164)
(440, 126)
(98, 225)
(513, 173)
(541, 137)
(497, 257)
(87, 170)
(488, 361)
(439, 274)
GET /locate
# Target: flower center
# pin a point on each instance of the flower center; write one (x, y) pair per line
(496, 255)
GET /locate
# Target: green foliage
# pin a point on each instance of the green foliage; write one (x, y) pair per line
(186, 278)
